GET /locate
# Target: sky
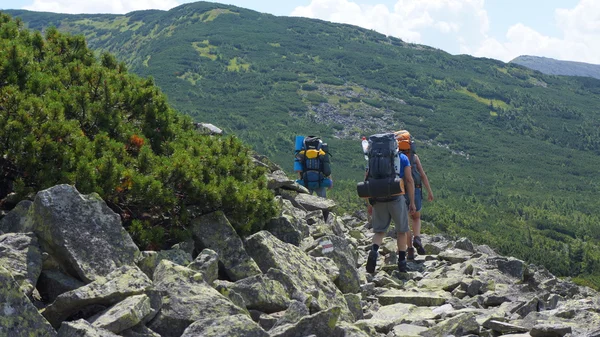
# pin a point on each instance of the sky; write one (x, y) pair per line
(500, 29)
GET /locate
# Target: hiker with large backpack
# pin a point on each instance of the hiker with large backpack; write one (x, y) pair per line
(387, 175)
(313, 165)
(406, 145)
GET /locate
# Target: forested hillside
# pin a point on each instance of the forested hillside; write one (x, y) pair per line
(512, 154)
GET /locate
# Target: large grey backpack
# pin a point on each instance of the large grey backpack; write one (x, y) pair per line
(383, 178)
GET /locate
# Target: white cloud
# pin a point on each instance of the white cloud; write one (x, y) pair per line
(376, 17)
(462, 26)
(99, 6)
(409, 20)
(580, 28)
(581, 31)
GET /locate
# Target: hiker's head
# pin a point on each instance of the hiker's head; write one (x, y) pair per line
(404, 146)
(404, 140)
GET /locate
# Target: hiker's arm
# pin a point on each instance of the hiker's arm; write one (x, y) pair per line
(424, 178)
(409, 183)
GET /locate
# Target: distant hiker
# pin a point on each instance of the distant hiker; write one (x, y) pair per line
(313, 165)
(406, 145)
(387, 174)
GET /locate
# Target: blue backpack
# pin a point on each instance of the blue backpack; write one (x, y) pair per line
(314, 159)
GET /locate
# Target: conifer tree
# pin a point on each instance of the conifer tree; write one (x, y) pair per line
(66, 117)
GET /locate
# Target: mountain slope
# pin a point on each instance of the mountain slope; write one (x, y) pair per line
(557, 67)
(512, 154)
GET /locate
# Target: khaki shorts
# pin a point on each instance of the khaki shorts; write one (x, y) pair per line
(385, 212)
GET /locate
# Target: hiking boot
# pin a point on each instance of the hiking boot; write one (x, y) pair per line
(402, 266)
(371, 262)
(410, 254)
(418, 245)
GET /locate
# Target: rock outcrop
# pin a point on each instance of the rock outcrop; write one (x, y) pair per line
(68, 268)
(66, 223)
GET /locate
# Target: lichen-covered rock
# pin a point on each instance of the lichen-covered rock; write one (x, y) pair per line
(313, 203)
(207, 263)
(278, 179)
(81, 232)
(324, 224)
(440, 283)
(265, 321)
(386, 317)
(332, 270)
(288, 229)
(187, 299)
(354, 305)
(148, 260)
(290, 226)
(81, 328)
(550, 330)
(215, 232)
(481, 292)
(139, 330)
(460, 325)
(291, 196)
(237, 299)
(21, 256)
(465, 244)
(511, 266)
(105, 291)
(16, 221)
(345, 329)
(52, 283)
(425, 299)
(123, 315)
(407, 330)
(336, 224)
(18, 317)
(485, 249)
(437, 244)
(293, 314)
(188, 246)
(340, 251)
(288, 208)
(231, 326)
(455, 255)
(314, 217)
(503, 327)
(260, 293)
(320, 324)
(304, 273)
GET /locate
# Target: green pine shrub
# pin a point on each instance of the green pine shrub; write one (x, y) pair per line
(66, 117)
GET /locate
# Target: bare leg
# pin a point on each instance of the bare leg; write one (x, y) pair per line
(416, 224)
(409, 234)
(401, 241)
(378, 238)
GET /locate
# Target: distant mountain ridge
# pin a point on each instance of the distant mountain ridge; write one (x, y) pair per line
(552, 66)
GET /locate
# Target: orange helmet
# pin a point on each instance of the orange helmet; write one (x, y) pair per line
(404, 140)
